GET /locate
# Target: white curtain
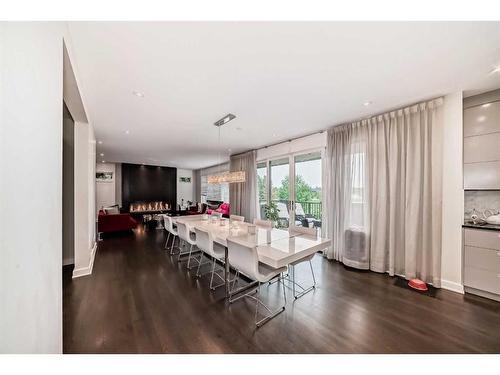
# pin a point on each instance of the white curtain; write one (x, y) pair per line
(384, 192)
(243, 196)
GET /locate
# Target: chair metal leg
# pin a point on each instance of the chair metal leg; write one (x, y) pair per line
(277, 279)
(257, 304)
(199, 265)
(181, 253)
(213, 270)
(189, 257)
(303, 289)
(173, 242)
(235, 280)
(272, 314)
(175, 246)
(312, 273)
(216, 274)
(284, 291)
(166, 242)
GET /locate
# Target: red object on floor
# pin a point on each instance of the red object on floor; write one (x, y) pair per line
(417, 284)
(115, 222)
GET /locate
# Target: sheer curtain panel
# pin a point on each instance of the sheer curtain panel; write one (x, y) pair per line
(384, 198)
(243, 196)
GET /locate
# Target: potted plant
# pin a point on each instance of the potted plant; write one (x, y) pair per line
(272, 213)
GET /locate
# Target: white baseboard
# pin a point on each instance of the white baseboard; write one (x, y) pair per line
(67, 262)
(454, 287)
(85, 271)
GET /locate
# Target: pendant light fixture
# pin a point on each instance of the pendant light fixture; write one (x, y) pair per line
(226, 177)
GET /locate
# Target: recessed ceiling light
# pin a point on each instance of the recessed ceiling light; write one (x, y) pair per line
(229, 149)
(104, 161)
(101, 154)
(127, 132)
(486, 105)
(366, 104)
(496, 70)
(100, 142)
(138, 93)
(481, 119)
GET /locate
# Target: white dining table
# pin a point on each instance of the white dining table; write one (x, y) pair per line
(275, 247)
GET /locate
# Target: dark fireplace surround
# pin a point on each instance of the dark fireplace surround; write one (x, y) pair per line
(148, 188)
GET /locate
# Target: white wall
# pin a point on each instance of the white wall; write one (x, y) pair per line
(118, 183)
(85, 214)
(453, 193)
(184, 189)
(31, 89)
(68, 174)
(105, 191)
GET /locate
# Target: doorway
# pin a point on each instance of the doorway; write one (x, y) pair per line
(294, 184)
(68, 189)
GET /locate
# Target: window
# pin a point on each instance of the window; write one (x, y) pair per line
(308, 199)
(262, 187)
(280, 180)
(262, 182)
(203, 188)
(357, 169)
(213, 192)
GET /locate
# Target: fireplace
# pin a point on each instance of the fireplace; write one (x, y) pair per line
(148, 189)
(149, 207)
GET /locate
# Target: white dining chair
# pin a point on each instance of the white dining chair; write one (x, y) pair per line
(236, 218)
(169, 226)
(263, 223)
(283, 215)
(299, 210)
(246, 261)
(310, 232)
(189, 238)
(213, 250)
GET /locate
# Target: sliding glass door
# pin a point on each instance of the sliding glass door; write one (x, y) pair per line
(280, 189)
(262, 187)
(307, 205)
(293, 184)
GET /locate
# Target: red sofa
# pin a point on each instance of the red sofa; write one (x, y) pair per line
(224, 209)
(115, 222)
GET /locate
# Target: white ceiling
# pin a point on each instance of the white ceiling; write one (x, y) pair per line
(281, 80)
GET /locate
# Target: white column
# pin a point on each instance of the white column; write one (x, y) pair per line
(453, 194)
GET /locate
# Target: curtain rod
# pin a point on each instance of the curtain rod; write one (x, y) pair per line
(394, 109)
(280, 142)
(340, 124)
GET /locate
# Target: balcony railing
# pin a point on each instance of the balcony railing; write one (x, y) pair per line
(310, 209)
(313, 209)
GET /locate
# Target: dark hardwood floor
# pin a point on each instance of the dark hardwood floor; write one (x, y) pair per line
(140, 300)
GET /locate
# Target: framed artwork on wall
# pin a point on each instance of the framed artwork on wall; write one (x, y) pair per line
(104, 176)
(185, 179)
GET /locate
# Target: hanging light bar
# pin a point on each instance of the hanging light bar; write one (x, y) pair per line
(227, 177)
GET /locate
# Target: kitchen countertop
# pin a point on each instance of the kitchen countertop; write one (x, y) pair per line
(481, 226)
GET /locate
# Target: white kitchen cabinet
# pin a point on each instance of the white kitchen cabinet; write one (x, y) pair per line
(482, 142)
(482, 262)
